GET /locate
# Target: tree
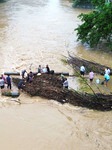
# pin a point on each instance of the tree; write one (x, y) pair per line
(81, 3)
(1, 1)
(97, 25)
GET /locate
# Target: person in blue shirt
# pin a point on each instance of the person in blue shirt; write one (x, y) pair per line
(107, 78)
(8, 81)
(21, 84)
(23, 73)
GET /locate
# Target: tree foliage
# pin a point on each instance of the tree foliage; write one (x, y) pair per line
(1, 1)
(81, 2)
(97, 25)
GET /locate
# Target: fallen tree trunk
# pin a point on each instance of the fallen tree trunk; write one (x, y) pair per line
(12, 73)
(18, 74)
(77, 62)
(55, 73)
(9, 94)
(50, 87)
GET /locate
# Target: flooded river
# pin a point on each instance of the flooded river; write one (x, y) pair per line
(41, 32)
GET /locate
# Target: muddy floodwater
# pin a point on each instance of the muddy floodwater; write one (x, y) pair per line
(42, 32)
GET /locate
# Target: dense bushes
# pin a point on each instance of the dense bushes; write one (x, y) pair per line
(97, 25)
(1, 1)
(80, 3)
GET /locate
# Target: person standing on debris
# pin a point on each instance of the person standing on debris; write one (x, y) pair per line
(23, 73)
(2, 83)
(107, 71)
(44, 70)
(62, 78)
(82, 70)
(3, 77)
(65, 84)
(39, 69)
(48, 70)
(30, 77)
(91, 76)
(107, 78)
(8, 81)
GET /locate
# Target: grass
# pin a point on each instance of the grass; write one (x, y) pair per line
(64, 61)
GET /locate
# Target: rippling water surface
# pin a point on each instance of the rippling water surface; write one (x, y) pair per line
(41, 32)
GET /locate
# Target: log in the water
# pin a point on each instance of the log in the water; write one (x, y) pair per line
(56, 73)
(50, 87)
(11, 73)
(13, 94)
(77, 62)
(17, 73)
(64, 73)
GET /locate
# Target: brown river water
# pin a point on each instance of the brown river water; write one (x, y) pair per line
(41, 32)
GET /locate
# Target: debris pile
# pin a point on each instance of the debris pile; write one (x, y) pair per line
(50, 87)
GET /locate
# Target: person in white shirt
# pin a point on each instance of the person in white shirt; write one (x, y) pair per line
(44, 70)
(65, 84)
(107, 71)
(2, 83)
(82, 70)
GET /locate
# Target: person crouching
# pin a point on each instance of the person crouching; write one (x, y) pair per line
(21, 84)
(65, 84)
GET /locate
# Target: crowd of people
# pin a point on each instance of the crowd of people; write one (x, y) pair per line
(4, 81)
(8, 80)
(64, 80)
(91, 75)
(44, 69)
(30, 76)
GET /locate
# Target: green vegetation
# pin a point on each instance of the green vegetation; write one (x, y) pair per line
(83, 85)
(81, 3)
(64, 61)
(97, 25)
(1, 1)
